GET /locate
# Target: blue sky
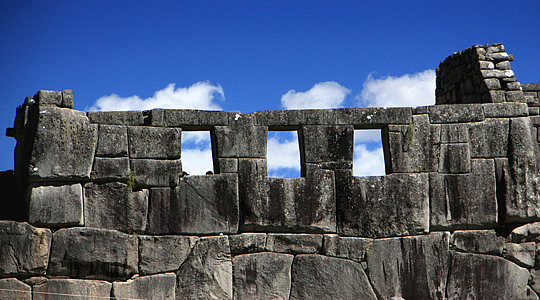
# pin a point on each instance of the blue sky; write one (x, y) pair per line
(247, 56)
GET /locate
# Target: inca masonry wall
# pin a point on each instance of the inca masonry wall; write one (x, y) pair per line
(110, 214)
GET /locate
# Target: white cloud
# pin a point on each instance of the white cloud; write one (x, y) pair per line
(329, 94)
(368, 162)
(197, 161)
(408, 90)
(201, 95)
(283, 154)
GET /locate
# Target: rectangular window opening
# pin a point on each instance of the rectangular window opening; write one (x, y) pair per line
(368, 155)
(197, 153)
(283, 154)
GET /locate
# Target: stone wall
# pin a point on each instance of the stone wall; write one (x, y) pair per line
(110, 212)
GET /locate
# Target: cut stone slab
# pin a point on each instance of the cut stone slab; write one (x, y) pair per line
(154, 142)
(526, 233)
(478, 241)
(454, 158)
(133, 118)
(392, 205)
(207, 272)
(93, 254)
(72, 288)
(321, 277)
(64, 145)
(476, 276)
(457, 113)
(153, 287)
(489, 138)
(14, 289)
(327, 143)
(294, 243)
(345, 247)
(161, 254)
(464, 201)
(107, 168)
(24, 249)
(56, 205)
(115, 205)
(199, 205)
(505, 110)
(241, 141)
(522, 254)
(413, 267)
(155, 172)
(188, 118)
(112, 141)
(247, 242)
(264, 275)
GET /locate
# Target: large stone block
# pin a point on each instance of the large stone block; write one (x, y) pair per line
(160, 254)
(187, 118)
(526, 233)
(464, 201)
(294, 243)
(24, 249)
(489, 138)
(262, 276)
(13, 289)
(454, 158)
(327, 143)
(153, 287)
(109, 168)
(72, 289)
(412, 148)
(520, 176)
(93, 254)
(378, 117)
(241, 141)
(457, 113)
(199, 205)
(154, 142)
(392, 205)
(155, 172)
(112, 141)
(207, 272)
(505, 110)
(133, 118)
(321, 277)
(478, 241)
(476, 276)
(64, 145)
(115, 205)
(352, 248)
(523, 254)
(247, 242)
(56, 205)
(284, 119)
(410, 267)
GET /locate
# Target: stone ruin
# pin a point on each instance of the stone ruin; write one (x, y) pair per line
(107, 212)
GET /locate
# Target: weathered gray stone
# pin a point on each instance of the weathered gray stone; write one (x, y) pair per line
(327, 143)
(93, 253)
(160, 254)
(187, 118)
(521, 175)
(13, 289)
(409, 267)
(207, 272)
(154, 142)
(515, 96)
(345, 247)
(283, 119)
(392, 205)
(454, 158)
(24, 249)
(155, 287)
(112, 141)
(294, 243)
(44, 97)
(241, 141)
(414, 148)
(67, 98)
(247, 243)
(526, 233)
(72, 289)
(320, 277)
(464, 201)
(262, 276)
(114, 205)
(454, 133)
(64, 145)
(133, 118)
(478, 241)
(476, 276)
(227, 165)
(154, 172)
(380, 116)
(199, 205)
(497, 73)
(523, 254)
(108, 168)
(285, 205)
(56, 205)
(489, 138)
(458, 113)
